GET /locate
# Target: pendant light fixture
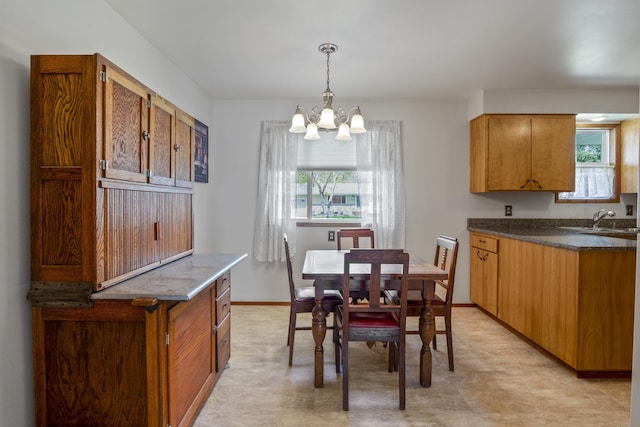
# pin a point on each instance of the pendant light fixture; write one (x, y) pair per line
(346, 122)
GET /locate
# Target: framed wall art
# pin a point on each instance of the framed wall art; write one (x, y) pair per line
(202, 152)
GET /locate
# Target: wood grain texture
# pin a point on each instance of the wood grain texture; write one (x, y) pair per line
(630, 140)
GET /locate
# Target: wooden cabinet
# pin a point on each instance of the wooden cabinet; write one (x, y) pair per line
(522, 153)
(484, 272)
(135, 362)
(630, 139)
(577, 305)
(111, 173)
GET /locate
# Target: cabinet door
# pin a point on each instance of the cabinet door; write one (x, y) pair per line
(509, 157)
(130, 234)
(484, 279)
(184, 150)
(553, 159)
(630, 139)
(191, 361)
(174, 224)
(126, 126)
(161, 148)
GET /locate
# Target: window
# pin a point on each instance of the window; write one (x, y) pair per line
(328, 195)
(597, 165)
(327, 182)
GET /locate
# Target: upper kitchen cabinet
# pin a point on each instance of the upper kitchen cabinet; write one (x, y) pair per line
(513, 152)
(630, 130)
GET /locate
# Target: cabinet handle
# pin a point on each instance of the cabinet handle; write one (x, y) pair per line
(176, 147)
(482, 241)
(484, 258)
(478, 255)
(145, 135)
(538, 184)
(523, 185)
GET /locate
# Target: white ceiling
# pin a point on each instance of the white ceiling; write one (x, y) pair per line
(265, 49)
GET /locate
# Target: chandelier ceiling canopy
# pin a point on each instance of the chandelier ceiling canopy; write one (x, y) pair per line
(347, 122)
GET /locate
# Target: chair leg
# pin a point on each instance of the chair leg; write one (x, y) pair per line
(402, 380)
(336, 343)
(392, 356)
(345, 375)
(447, 321)
(434, 342)
(292, 334)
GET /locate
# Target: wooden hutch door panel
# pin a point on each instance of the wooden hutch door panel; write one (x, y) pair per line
(131, 231)
(185, 144)
(175, 223)
(190, 355)
(163, 140)
(126, 128)
(509, 153)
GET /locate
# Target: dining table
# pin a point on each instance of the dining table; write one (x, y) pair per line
(326, 268)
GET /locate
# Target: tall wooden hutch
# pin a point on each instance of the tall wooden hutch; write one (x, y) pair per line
(112, 178)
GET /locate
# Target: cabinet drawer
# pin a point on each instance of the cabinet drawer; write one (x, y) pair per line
(223, 282)
(223, 342)
(223, 306)
(483, 242)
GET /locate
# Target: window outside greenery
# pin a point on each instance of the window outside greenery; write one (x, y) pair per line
(328, 195)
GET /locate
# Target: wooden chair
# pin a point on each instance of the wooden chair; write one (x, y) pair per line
(355, 234)
(445, 258)
(352, 237)
(374, 320)
(303, 300)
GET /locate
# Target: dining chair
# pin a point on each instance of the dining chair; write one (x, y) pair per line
(445, 258)
(374, 320)
(355, 234)
(348, 238)
(303, 300)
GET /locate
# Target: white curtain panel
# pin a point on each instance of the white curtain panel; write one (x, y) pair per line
(276, 191)
(593, 182)
(380, 170)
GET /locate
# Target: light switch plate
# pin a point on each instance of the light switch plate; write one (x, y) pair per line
(332, 236)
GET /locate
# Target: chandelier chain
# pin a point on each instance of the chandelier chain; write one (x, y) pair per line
(328, 54)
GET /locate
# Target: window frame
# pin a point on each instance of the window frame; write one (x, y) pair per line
(615, 146)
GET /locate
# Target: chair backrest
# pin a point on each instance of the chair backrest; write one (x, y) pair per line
(292, 285)
(355, 234)
(445, 258)
(375, 258)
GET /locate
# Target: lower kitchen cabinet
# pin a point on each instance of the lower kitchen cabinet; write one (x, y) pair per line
(576, 304)
(484, 272)
(142, 361)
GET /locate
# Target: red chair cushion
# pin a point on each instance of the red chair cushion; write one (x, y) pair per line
(373, 320)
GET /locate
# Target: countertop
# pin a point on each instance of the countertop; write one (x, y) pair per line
(179, 280)
(551, 233)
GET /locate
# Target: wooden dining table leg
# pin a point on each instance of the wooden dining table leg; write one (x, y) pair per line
(319, 331)
(427, 330)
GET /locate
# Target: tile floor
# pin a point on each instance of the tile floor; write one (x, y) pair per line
(499, 380)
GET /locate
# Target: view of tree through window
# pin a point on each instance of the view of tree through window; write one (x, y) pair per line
(327, 194)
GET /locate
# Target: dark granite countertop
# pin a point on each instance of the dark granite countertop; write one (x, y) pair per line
(557, 232)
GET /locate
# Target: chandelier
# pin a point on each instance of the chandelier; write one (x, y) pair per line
(347, 122)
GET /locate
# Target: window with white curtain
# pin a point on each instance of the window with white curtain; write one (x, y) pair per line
(378, 173)
(597, 167)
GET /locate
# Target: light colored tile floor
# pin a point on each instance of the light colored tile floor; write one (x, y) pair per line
(499, 380)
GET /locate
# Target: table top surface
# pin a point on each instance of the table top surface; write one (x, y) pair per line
(328, 264)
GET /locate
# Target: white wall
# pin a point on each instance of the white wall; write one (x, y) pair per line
(436, 162)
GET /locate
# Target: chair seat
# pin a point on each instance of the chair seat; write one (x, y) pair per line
(413, 298)
(309, 294)
(372, 320)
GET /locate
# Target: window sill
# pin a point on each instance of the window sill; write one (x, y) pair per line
(327, 223)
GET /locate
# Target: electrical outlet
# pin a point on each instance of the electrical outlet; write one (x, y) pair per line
(508, 210)
(629, 210)
(332, 236)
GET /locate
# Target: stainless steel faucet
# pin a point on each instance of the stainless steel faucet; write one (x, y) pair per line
(599, 215)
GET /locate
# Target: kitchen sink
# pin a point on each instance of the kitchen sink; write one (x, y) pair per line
(604, 230)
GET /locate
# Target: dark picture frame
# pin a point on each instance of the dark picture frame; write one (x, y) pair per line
(201, 152)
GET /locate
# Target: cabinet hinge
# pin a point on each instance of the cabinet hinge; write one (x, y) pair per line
(215, 329)
(104, 77)
(148, 103)
(166, 338)
(149, 173)
(104, 164)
